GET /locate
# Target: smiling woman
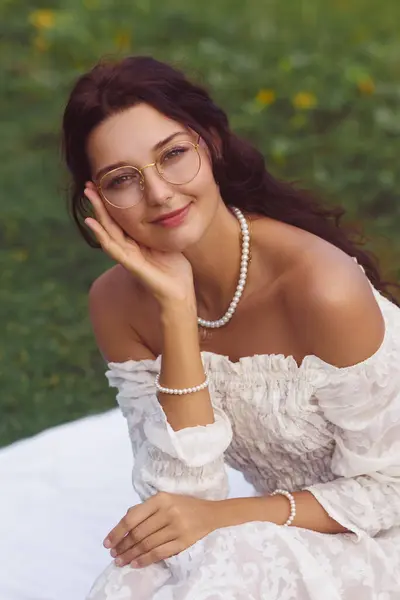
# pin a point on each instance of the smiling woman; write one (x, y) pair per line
(296, 385)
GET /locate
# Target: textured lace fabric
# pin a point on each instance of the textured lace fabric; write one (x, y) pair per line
(333, 431)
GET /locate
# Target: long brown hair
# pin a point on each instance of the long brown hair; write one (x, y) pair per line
(239, 168)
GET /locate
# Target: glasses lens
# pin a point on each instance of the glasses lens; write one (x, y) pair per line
(122, 187)
(179, 163)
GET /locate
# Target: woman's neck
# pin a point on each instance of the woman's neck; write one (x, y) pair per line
(215, 263)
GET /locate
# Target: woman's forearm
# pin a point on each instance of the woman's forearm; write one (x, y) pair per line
(182, 367)
(275, 509)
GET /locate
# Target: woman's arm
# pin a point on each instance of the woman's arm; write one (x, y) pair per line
(182, 367)
(354, 338)
(276, 509)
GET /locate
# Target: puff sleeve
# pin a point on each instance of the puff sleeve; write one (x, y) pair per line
(189, 461)
(363, 403)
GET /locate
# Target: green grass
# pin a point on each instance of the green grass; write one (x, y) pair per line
(340, 56)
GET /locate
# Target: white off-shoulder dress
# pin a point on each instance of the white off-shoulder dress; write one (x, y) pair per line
(333, 431)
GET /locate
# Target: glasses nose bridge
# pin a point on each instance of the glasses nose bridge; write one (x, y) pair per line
(143, 182)
(153, 164)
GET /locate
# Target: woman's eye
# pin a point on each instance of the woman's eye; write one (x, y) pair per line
(123, 180)
(173, 153)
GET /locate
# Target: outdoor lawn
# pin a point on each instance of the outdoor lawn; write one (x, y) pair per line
(314, 83)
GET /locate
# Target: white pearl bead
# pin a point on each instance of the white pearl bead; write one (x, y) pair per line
(245, 234)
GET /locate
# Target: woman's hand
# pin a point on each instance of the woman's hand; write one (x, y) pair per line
(162, 526)
(168, 275)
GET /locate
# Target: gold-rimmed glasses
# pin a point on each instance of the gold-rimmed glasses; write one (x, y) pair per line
(177, 164)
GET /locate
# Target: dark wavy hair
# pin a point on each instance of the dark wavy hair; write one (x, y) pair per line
(239, 169)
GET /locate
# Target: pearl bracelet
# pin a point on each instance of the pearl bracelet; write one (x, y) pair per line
(191, 390)
(292, 501)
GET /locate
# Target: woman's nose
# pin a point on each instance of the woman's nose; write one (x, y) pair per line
(156, 189)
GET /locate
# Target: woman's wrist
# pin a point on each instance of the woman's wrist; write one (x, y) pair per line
(276, 509)
(236, 511)
(182, 367)
(178, 311)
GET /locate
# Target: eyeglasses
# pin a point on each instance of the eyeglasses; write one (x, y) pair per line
(177, 164)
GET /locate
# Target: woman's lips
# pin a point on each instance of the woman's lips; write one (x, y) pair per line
(175, 220)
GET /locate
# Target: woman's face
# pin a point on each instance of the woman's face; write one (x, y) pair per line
(136, 137)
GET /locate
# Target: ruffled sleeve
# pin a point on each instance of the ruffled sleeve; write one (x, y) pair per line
(189, 461)
(363, 403)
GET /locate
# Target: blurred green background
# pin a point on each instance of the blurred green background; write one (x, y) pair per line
(314, 83)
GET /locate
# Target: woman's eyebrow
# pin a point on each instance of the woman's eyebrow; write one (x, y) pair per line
(168, 139)
(159, 145)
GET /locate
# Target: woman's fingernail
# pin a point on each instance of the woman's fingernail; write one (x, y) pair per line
(107, 543)
(113, 553)
(118, 561)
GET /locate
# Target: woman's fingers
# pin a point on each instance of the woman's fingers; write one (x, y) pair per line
(155, 547)
(160, 553)
(109, 234)
(151, 525)
(108, 244)
(112, 228)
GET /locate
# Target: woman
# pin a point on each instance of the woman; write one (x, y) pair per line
(296, 383)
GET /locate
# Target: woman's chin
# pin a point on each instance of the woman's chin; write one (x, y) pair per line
(178, 240)
(179, 244)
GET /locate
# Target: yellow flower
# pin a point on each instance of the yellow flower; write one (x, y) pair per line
(305, 100)
(40, 43)
(266, 97)
(123, 40)
(42, 19)
(366, 85)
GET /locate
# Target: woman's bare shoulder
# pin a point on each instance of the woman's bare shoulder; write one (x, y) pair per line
(332, 305)
(114, 300)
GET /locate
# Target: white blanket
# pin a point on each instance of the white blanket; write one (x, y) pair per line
(60, 493)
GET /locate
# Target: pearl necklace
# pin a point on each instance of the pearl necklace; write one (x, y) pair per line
(244, 263)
